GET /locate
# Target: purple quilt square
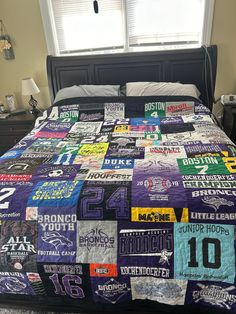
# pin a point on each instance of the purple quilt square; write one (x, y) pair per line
(56, 234)
(158, 190)
(145, 250)
(111, 290)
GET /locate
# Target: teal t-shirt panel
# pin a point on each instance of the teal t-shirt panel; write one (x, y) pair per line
(205, 252)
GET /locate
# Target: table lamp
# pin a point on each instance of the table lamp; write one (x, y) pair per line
(29, 88)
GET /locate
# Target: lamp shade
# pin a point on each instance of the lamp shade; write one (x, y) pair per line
(29, 87)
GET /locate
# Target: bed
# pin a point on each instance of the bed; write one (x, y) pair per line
(122, 204)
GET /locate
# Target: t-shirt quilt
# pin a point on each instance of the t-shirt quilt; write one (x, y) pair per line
(104, 208)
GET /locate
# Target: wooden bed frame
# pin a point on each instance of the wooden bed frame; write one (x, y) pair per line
(189, 66)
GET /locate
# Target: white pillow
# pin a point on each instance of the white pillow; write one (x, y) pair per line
(87, 91)
(161, 89)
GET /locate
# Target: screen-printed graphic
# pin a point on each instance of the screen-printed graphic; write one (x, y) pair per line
(114, 110)
(67, 281)
(105, 200)
(96, 242)
(47, 146)
(214, 294)
(54, 129)
(145, 250)
(118, 163)
(13, 197)
(140, 214)
(211, 198)
(18, 246)
(18, 169)
(157, 190)
(169, 291)
(205, 252)
(207, 165)
(56, 172)
(15, 283)
(56, 235)
(111, 290)
(55, 193)
(85, 128)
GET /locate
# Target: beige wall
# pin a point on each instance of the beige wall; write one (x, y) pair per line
(23, 21)
(224, 36)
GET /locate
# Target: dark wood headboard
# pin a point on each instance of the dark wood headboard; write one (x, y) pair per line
(190, 66)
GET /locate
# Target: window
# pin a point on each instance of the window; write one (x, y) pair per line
(72, 27)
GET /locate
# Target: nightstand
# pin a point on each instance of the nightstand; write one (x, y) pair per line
(13, 129)
(229, 121)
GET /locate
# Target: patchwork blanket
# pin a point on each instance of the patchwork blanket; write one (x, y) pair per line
(103, 208)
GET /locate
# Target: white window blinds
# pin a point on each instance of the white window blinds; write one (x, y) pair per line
(78, 28)
(125, 25)
(161, 22)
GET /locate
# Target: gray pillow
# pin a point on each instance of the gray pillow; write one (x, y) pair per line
(161, 89)
(87, 91)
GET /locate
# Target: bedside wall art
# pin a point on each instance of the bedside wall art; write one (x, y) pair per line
(5, 43)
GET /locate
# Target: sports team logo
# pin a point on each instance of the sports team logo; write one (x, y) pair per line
(96, 242)
(212, 198)
(118, 163)
(15, 283)
(111, 290)
(97, 238)
(143, 242)
(154, 165)
(56, 239)
(160, 190)
(219, 295)
(155, 109)
(18, 246)
(216, 202)
(57, 235)
(157, 184)
(204, 165)
(126, 152)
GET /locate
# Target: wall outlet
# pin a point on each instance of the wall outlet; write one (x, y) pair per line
(228, 99)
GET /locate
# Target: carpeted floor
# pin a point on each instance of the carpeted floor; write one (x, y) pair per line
(16, 311)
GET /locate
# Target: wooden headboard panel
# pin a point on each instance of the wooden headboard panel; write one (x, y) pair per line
(184, 66)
